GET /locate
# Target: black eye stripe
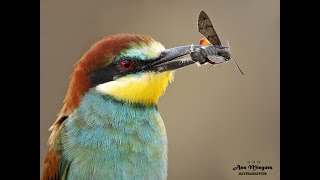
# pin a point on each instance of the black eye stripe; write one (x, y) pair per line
(114, 70)
(103, 75)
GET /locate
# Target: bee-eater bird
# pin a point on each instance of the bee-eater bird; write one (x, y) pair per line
(109, 126)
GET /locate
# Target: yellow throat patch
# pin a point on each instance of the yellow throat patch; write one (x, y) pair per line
(145, 88)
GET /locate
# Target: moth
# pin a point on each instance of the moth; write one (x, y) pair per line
(212, 50)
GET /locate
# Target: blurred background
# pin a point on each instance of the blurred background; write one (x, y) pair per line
(215, 118)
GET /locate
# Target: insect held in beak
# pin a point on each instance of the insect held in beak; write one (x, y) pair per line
(211, 50)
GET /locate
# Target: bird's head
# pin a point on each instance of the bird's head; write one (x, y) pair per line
(130, 68)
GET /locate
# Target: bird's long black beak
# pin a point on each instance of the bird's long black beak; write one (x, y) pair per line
(174, 58)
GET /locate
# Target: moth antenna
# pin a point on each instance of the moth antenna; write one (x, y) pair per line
(229, 48)
(209, 67)
(237, 65)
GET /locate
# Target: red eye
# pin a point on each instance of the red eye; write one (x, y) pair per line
(126, 64)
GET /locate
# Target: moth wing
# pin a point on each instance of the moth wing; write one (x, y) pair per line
(216, 59)
(205, 28)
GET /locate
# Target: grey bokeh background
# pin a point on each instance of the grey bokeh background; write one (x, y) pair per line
(215, 118)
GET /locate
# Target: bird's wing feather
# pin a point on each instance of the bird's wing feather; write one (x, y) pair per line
(51, 166)
(64, 167)
(55, 165)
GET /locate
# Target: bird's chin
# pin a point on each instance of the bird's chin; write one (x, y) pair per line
(143, 88)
